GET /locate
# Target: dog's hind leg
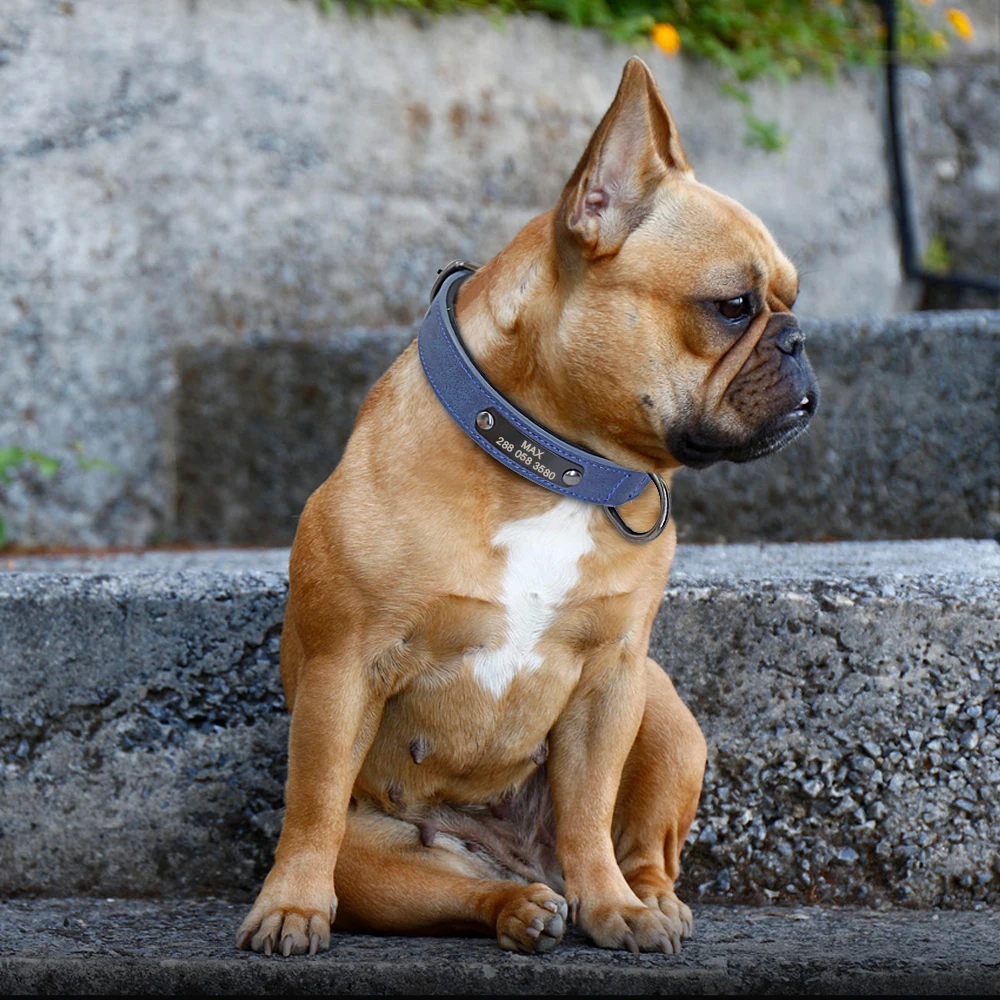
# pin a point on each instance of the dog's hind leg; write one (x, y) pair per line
(390, 882)
(658, 798)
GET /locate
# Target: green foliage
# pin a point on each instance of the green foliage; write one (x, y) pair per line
(765, 135)
(13, 459)
(937, 257)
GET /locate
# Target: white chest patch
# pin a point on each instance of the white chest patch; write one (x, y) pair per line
(542, 567)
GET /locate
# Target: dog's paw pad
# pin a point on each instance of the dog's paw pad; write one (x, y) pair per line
(533, 921)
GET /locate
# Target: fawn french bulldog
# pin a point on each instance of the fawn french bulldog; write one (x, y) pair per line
(479, 741)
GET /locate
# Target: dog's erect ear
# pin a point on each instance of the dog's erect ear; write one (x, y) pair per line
(632, 150)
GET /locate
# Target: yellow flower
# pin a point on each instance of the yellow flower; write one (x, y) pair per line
(938, 40)
(927, 3)
(961, 23)
(665, 37)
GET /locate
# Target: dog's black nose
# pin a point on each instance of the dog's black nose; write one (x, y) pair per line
(790, 341)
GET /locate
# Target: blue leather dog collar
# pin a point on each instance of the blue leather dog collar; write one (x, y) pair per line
(505, 432)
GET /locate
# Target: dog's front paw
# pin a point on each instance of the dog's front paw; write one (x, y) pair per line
(628, 923)
(658, 894)
(664, 900)
(533, 920)
(292, 915)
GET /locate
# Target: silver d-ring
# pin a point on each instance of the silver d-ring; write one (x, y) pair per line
(661, 522)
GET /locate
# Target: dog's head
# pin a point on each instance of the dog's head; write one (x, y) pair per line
(673, 340)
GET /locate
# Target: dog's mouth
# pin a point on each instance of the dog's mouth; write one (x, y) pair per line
(700, 446)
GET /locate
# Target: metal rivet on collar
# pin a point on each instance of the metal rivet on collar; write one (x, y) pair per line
(571, 477)
(484, 420)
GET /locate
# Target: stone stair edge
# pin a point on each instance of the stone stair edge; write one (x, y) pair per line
(912, 564)
(82, 945)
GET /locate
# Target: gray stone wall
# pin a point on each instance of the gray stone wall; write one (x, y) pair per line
(182, 180)
(178, 175)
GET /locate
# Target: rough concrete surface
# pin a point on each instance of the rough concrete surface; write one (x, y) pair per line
(849, 694)
(141, 714)
(183, 174)
(906, 442)
(260, 426)
(118, 946)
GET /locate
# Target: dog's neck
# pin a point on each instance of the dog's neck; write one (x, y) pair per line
(508, 314)
(501, 310)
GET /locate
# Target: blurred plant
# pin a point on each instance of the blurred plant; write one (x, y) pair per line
(13, 459)
(937, 257)
(749, 39)
(763, 134)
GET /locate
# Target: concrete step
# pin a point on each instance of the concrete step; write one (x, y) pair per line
(850, 694)
(84, 946)
(905, 443)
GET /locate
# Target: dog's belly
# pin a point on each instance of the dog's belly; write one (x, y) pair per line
(457, 743)
(473, 722)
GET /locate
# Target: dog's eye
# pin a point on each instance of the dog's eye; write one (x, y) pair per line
(735, 309)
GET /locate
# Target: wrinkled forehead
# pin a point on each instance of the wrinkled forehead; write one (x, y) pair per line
(712, 247)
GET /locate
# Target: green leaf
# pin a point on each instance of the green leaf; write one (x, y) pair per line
(47, 465)
(10, 458)
(764, 134)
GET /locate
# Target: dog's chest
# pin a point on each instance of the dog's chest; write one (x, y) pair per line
(542, 566)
